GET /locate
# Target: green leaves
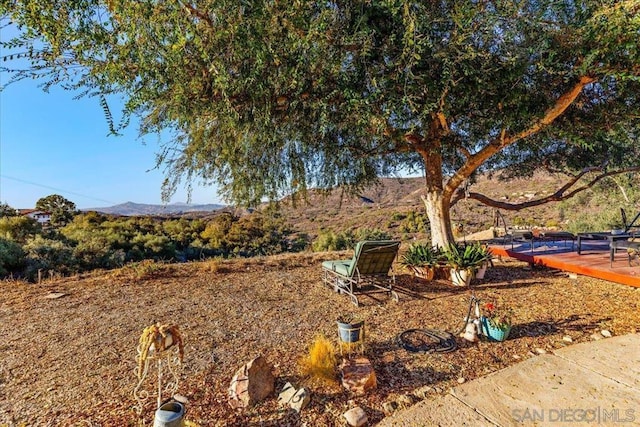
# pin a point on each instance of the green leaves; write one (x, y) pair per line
(271, 98)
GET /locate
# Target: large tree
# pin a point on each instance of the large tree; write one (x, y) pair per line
(61, 209)
(274, 97)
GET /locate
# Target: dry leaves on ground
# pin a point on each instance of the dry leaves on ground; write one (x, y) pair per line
(70, 360)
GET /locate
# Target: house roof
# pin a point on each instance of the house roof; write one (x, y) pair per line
(33, 211)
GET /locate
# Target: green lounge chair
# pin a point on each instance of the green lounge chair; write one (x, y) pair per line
(369, 271)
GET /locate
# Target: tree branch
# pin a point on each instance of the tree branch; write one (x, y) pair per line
(558, 196)
(197, 13)
(502, 141)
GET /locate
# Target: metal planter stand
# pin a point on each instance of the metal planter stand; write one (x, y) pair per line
(351, 337)
(167, 364)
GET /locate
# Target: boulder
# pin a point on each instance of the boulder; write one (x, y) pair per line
(358, 375)
(356, 417)
(287, 393)
(296, 399)
(252, 383)
(389, 407)
(300, 400)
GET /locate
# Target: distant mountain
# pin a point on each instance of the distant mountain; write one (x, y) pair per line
(134, 209)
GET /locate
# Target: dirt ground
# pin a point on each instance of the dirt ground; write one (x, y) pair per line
(68, 359)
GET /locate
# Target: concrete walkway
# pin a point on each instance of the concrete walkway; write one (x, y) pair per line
(588, 384)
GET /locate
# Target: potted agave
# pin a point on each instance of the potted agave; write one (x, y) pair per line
(464, 260)
(421, 259)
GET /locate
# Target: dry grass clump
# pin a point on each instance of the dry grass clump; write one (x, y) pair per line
(320, 362)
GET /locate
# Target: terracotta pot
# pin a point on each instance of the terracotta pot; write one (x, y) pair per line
(426, 273)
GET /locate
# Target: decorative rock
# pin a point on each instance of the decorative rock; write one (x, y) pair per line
(55, 295)
(180, 398)
(251, 383)
(300, 400)
(287, 393)
(605, 333)
(423, 391)
(461, 380)
(406, 400)
(541, 351)
(356, 417)
(358, 375)
(389, 407)
(567, 338)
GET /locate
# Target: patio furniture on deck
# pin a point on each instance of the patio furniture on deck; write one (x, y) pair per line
(604, 235)
(369, 271)
(528, 236)
(629, 225)
(632, 245)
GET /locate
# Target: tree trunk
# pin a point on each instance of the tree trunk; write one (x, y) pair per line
(436, 201)
(438, 211)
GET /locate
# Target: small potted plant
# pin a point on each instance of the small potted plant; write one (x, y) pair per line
(350, 328)
(421, 259)
(464, 260)
(496, 321)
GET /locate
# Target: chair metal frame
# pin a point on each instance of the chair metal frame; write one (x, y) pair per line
(371, 270)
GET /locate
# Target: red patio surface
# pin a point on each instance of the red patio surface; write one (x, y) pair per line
(593, 261)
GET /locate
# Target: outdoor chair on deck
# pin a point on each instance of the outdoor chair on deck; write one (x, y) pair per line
(628, 226)
(632, 245)
(369, 271)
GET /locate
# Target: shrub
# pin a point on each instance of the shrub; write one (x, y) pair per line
(19, 228)
(398, 216)
(330, 241)
(320, 362)
(369, 234)
(11, 256)
(145, 269)
(48, 256)
(414, 223)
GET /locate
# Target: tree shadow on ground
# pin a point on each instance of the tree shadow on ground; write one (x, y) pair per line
(512, 285)
(393, 370)
(414, 287)
(574, 322)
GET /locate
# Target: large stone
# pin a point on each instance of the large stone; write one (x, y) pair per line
(358, 375)
(252, 383)
(287, 393)
(356, 417)
(389, 407)
(296, 399)
(300, 400)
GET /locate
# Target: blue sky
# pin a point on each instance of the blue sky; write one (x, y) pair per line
(53, 144)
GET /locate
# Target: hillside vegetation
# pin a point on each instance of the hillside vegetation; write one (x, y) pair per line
(333, 221)
(394, 206)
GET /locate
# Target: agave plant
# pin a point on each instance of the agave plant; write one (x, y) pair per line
(466, 256)
(421, 255)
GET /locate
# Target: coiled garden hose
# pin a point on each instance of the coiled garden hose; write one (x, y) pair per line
(432, 340)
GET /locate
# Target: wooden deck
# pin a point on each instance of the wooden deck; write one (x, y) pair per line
(593, 260)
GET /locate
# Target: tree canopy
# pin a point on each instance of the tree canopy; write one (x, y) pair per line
(269, 98)
(61, 209)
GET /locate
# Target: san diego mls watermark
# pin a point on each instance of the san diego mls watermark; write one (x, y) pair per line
(595, 415)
